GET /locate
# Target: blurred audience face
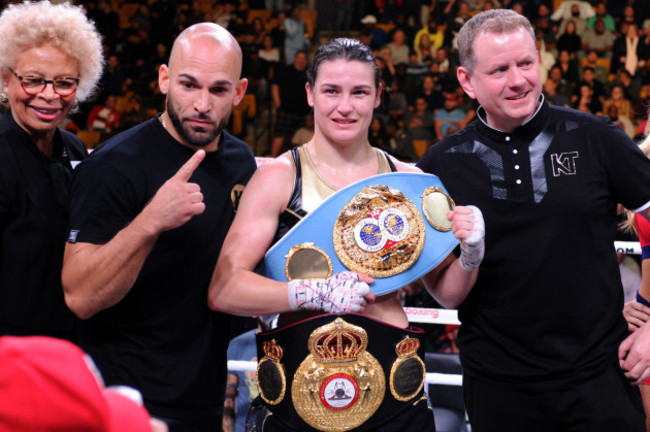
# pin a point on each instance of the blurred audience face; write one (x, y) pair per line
(571, 27)
(300, 61)
(575, 10)
(420, 105)
(427, 83)
(617, 93)
(555, 74)
(632, 31)
(398, 37)
(564, 56)
(267, 42)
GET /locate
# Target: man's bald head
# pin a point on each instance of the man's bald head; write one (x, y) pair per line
(205, 32)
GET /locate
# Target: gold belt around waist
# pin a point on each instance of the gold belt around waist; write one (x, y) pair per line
(334, 373)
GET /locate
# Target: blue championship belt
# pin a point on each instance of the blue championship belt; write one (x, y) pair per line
(392, 227)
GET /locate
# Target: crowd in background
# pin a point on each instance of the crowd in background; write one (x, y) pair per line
(593, 57)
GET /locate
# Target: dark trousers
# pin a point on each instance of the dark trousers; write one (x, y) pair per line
(605, 403)
(210, 424)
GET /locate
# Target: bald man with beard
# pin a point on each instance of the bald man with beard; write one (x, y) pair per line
(149, 212)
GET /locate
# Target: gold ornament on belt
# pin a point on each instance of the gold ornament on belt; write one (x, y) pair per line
(271, 379)
(379, 232)
(339, 385)
(306, 261)
(408, 372)
(435, 206)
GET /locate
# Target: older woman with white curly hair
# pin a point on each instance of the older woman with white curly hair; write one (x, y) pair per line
(50, 59)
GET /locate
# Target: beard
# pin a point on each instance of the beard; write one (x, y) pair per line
(196, 136)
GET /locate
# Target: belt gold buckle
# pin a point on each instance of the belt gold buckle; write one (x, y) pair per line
(339, 385)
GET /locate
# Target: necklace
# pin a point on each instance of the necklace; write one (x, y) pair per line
(162, 122)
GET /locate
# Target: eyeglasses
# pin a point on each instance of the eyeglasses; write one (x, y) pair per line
(34, 84)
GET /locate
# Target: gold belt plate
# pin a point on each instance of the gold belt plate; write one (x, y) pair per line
(379, 232)
(339, 385)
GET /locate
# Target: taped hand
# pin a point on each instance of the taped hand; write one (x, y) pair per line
(341, 293)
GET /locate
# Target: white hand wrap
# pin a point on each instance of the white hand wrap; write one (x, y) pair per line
(340, 293)
(472, 248)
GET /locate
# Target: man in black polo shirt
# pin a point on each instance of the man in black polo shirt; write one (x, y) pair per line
(541, 327)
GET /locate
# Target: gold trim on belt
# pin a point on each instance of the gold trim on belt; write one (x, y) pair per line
(408, 373)
(271, 378)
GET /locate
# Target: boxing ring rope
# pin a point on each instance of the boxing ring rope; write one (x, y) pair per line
(435, 316)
